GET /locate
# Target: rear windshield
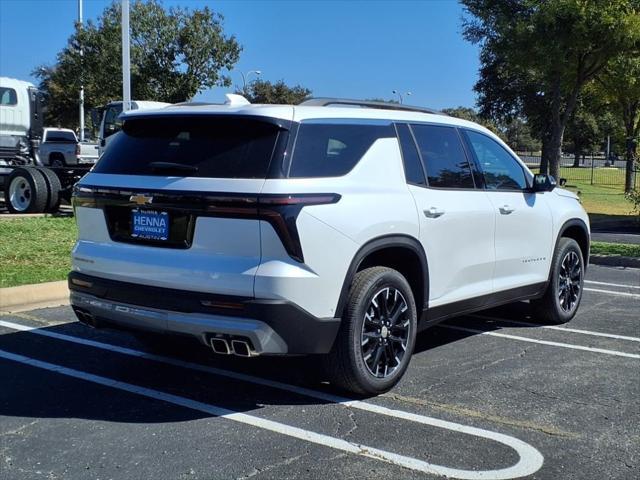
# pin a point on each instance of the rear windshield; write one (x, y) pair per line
(196, 146)
(63, 137)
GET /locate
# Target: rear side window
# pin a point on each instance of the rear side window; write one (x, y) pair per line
(8, 96)
(191, 146)
(333, 149)
(443, 155)
(62, 137)
(412, 166)
(501, 171)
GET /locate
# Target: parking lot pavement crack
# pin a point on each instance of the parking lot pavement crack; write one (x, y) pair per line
(282, 463)
(354, 425)
(18, 431)
(563, 398)
(483, 366)
(466, 412)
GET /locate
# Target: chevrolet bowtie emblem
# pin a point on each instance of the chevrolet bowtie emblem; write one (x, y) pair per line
(141, 199)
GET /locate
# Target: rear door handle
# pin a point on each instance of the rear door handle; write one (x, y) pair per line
(433, 212)
(506, 210)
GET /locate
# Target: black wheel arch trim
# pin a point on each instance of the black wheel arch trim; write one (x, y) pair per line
(574, 222)
(381, 243)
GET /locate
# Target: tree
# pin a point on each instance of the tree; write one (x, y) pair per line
(263, 91)
(517, 133)
(588, 124)
(620, 82)
(175, 54)
(582, 134)
(378, 99)
(470, 114)
(536, 57)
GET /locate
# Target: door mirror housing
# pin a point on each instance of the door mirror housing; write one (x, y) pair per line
(543, 183)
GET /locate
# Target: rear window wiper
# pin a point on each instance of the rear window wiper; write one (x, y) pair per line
(180, 167)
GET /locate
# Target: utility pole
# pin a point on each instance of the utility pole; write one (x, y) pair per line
(81, 75)
(396, 92)
(244, 79)
(126, 63)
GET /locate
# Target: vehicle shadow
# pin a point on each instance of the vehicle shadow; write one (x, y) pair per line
(519, 313)
(33, 392)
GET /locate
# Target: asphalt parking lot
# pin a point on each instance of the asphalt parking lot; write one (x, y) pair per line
(489, 396)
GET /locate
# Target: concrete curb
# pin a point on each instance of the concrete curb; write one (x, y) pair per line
(29, 297)
(615, 261)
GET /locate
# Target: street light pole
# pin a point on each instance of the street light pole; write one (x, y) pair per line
(396, 92)
(81, 75)
(244, 78)
(126, 67)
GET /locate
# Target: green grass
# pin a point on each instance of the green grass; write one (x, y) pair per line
(604, 248)
(602, 199)
(35, 250)
(599, 198)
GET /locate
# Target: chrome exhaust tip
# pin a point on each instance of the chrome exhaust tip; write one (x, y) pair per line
(220, 346)
(86, 318)
(241, 348)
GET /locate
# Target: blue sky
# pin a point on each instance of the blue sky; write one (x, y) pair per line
(336, 48)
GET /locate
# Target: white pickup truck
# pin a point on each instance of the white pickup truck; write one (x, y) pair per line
(60, 148)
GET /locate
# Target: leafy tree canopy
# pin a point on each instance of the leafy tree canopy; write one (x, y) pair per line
(619, 83)
(263, 91)
(536, 57)
(175, 53)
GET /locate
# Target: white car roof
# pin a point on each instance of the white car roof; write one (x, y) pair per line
(299, 113)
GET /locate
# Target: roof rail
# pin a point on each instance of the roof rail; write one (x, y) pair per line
(326, 101)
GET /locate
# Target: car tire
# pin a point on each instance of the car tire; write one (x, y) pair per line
(26, 191)
(377, 335)
(564, 292)
(57, 161)
(53, 187)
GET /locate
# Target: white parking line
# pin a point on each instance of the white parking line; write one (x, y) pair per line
(542, 342)
(562, 329)
(613, 284)
(610, 292)
(530, 459)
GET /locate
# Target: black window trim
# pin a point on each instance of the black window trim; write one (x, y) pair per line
(468, 146)
(404, 164)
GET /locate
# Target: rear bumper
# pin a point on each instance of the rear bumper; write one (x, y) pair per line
(273, 326)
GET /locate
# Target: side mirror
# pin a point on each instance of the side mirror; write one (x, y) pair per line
(543, 182)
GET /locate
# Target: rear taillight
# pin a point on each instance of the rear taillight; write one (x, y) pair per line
(280, 210)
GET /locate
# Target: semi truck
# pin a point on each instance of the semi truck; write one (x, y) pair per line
(38, 167)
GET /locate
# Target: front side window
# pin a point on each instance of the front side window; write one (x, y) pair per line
(500, 170)
(8, 96)
(443, 156)
(333, 149)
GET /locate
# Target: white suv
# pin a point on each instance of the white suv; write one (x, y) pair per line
(333, 227)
